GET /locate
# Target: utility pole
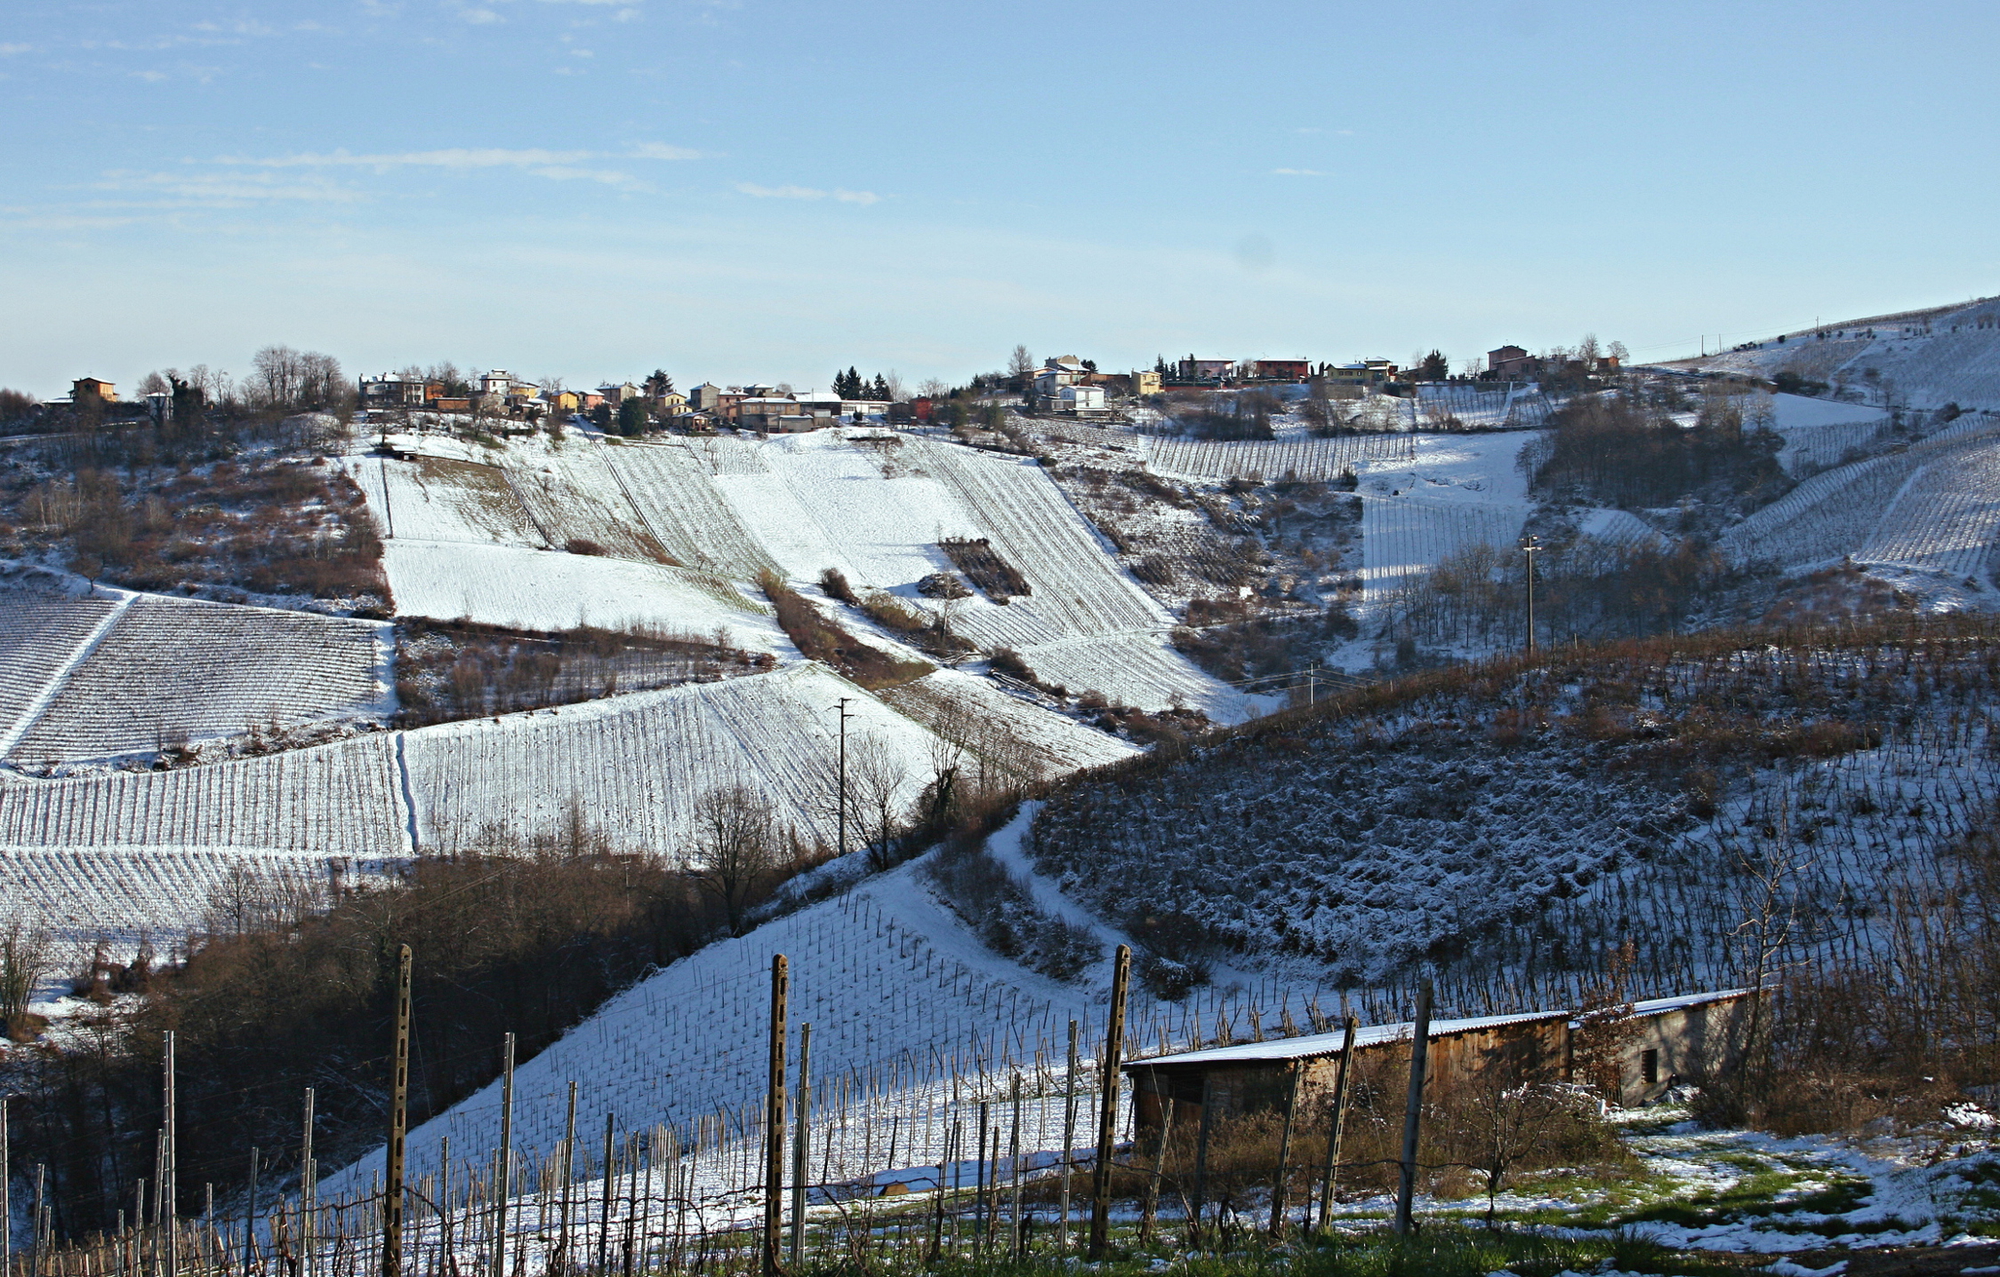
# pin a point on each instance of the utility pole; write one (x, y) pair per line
(399, 1097)
(1531, 547)
(1107, 1113)
(844, 716)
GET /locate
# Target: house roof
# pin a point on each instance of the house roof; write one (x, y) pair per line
(1312, 1045)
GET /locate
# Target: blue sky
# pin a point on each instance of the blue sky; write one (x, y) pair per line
(775, 190)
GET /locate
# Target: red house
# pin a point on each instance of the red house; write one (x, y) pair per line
(1282, 369)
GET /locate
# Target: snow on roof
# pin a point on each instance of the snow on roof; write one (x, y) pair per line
(1318, 1044)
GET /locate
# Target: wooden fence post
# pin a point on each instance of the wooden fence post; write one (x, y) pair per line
(1340, 1089)
(801, 1148)
(1107, 1113)
(504, 1173)
(399, 1096)
(1420, 1041)
(774, 1121)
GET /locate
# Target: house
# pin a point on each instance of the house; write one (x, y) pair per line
(617, 394)
(819, 403)
(443, 404)
(84, 389)
(703, 398)
(764, 412)
(1657, 1043)
(1293, 370)
(496, 383)
(1065, 370)
(671, 404)
(922, 407)
(385, 391)
(1145, 383)
(1082, 401)
(1511, 363)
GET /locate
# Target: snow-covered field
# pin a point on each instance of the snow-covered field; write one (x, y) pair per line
(637, 764)
(127, 895)
(1456, 491)
(98, 674)
(172, 670)
(1925, 507)
(1820, 433)
(1303, 457)
(874, 507)
(541, 590)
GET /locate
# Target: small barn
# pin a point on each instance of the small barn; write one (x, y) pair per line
(1651, 1044)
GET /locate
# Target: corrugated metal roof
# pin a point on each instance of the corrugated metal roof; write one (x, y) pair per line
(1318, 1044)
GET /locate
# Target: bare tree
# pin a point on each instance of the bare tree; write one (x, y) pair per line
(736, 847)
(933, 388)
(875, 780)
(898, 392)
(1021, 368)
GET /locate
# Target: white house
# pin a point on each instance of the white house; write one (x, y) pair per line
(1081, 400)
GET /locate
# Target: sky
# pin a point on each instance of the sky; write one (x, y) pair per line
(739, 190)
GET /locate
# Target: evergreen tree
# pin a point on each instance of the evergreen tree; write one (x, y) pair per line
(880, 390)
(632, 417)
(659, 385)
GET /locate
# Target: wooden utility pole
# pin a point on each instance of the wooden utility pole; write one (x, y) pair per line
(399, 1100)
(801, 1149)
(1107, 1111)
(168, 1201)
(774, 1104)
(1420, 1042)
(503, 1183)
(308, 1193)
(1330, 1174)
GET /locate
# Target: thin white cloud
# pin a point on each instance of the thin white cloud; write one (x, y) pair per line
(1298, 172)
(807, 193)
(480, 17)
(462, 158)
(225, 189)
(9, 50)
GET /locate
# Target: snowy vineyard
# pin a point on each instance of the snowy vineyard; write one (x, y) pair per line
(1308, 459)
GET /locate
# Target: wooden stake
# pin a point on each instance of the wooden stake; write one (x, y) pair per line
(1340, 1089)
(1285, 1157)
(399, 1098)
(1152, 1204)
(774, 1121)
(6, 1196)
(169, 1202)
(1107, 1113)
(604, 1225)
(569, 1177)
(308, 1192)
(801, 1152)
(1420, 1041)
(504, 1172)
(1069, 1142)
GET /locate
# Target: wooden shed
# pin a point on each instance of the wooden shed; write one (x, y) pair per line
(1653, 1045)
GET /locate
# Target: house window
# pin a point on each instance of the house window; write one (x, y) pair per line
(1649, 1067)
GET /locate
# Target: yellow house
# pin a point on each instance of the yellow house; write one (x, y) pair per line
(567, 401)
(673, 403)
(91, 388)
(1145, 382)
